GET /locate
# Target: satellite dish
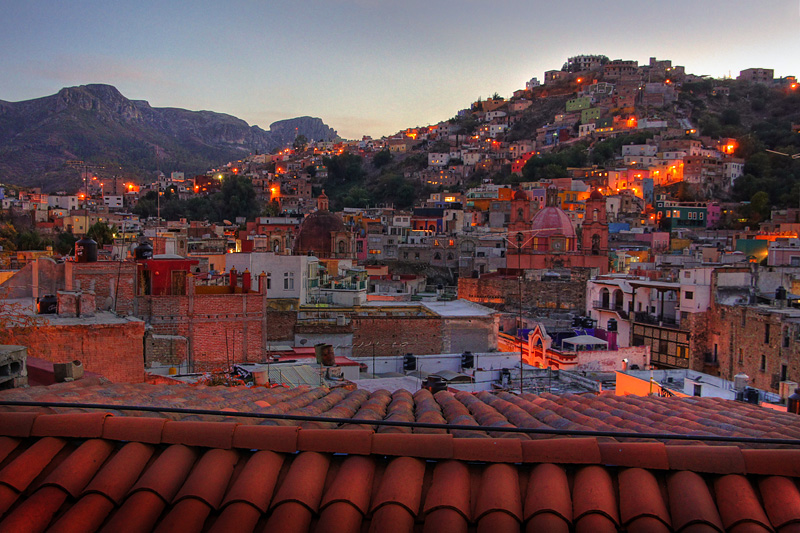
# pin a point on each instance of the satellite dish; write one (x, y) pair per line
(227, 222)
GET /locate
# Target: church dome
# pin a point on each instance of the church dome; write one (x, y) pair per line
(552, 221)
(520, 195)
(596, 195)
(315, 233)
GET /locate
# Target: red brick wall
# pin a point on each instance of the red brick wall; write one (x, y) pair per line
(497, 291)
(105, 278)
(221, 329)
(111, 350)
(421, 335)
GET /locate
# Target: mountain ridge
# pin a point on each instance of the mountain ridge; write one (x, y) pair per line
(97, 124)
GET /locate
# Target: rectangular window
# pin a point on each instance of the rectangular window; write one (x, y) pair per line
(763, 366)
(784, 372)
(288, 281)
(766, 333)
(698, 389)
(689, 295)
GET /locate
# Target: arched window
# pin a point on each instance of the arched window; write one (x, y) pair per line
(605, 298)
(449, 257)
(341, 247)
(437, 256)
(595, 215)
(520, 214)
(595, 244)
(618, 299)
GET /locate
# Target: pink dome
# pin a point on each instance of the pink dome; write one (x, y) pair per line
(552, 221)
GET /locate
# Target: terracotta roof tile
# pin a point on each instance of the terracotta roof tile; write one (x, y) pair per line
(78, 469)
(88, 514)
(595, 523)
(256, 483)
(355, 441)
(238, 516)
(139, 512)
(392, 518)
(7, 447)
(188, 515)
(738, 502)
(274, 438)
(449, 489)
(36, 512)
(772, 462)
(168, 472)
(712, 459)
(17, 424)
(427, 446)
(499, 450)
(353, 484)
(304, 481)
(76, 425)
(209, 477)
(499, 491)
(401, 485)
(647, 524)
(498, 521)
(208, 434)
(593, 493)
(290, 517)
(394, 479)
(635, 454)
(690, 502)
(549, 522)
(120, 473)
(640, 496)
(548, 493)
(781, 500)
(567, 451)
(339, 517)
(145, 429)
(445, 519)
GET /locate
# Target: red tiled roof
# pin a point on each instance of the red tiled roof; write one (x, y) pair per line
(198, 476)
(644, 415)
(86, 470)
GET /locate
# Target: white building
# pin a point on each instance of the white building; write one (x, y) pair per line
(288, 276)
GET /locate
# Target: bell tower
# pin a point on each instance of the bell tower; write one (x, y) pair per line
(594, 237)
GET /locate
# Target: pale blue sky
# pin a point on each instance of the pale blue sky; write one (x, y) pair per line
(366, 66)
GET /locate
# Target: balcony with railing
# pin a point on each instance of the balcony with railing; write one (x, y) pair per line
(663, 321)
(611, 306)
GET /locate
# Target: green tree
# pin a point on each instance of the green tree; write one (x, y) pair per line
(8, 236)
(102, 233)
(30, 240)
(300, 143)
(382, 158)
(237, 198)
(64, 242)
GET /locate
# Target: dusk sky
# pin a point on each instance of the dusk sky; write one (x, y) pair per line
(367, 67)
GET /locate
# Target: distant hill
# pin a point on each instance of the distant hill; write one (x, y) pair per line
(97, 124)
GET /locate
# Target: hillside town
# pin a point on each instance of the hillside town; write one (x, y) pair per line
(410, 332)
(594, 269)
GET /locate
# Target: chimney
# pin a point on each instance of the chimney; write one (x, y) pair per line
(246, 281)
(233, 280)
(262, 283)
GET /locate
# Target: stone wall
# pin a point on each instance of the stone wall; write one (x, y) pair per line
(538, 295)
